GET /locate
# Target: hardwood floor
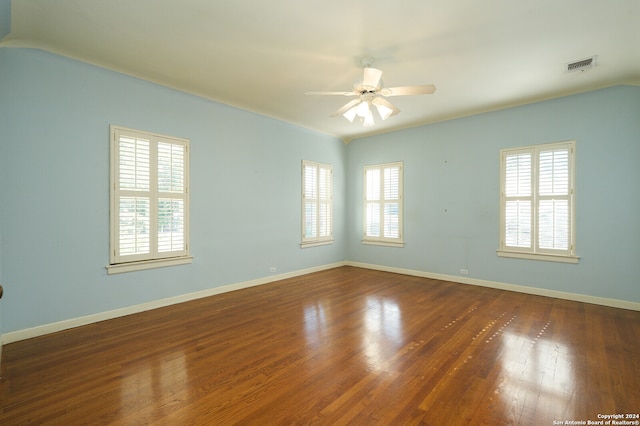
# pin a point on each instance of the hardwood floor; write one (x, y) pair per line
(343, 346)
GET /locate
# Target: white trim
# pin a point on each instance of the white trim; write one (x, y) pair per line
(383, 240)
(319, 202)
(538, 256)
(147, 264)
(316, 243)
(41, 330)
(614, 303)
(383, 243)
(152, 193)
(534, 199)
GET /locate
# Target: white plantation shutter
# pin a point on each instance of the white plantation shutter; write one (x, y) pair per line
(171, 201)
(325, 202)
(537, 199)
(310, 197)
(149, 193)
(383, 203)
(553, 199)
(134, 223)
(317, 203)
(373, 203)
(170, 225)
(133, 186)
(391, 202)
(518, 193)
(134, 163)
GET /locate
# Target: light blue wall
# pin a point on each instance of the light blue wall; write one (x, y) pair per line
(5, 18)
(5, 28)
(54, 120)
(54, 169)
(451, 202)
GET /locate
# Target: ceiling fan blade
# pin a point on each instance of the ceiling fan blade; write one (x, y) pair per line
(378, 101)
(332, 93)
(346, 107)
(371, 78)
(425, 89)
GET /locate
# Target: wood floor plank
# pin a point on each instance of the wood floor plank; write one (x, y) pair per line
(344, 346)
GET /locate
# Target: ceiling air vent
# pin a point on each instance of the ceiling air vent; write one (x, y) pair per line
(581, 65)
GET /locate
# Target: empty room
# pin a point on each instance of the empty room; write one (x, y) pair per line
(336, 213)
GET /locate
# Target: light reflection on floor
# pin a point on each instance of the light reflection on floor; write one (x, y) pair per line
(315, 325)
(535, 374)
(383, 332)
(152, 379)
(536, 370)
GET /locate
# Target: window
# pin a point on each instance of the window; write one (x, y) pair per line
(383, 204)
(149, 216)
(537, 202)
(317, 204)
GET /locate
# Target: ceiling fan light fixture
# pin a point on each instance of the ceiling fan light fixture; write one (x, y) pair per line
(350, 114)
(368, 121)
(384, 111)
(363, 110)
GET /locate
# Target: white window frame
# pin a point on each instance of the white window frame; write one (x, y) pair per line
(533, 197)
(385, 198)
(317, 204)
(153, 257)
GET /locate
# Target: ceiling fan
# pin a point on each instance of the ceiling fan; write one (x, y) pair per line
(370, 92)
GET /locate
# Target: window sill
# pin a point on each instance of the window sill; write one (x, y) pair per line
(315, 243)
(148, 264)
(384, 243)
(537, 256)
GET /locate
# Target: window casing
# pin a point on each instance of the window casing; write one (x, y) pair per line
(537, 202)
(149, 200)
(317, 204)
(383, 211)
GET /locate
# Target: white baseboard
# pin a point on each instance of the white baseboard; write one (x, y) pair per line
(615, 303)
(41, 330)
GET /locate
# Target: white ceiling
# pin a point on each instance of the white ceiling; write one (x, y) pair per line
(263, 56)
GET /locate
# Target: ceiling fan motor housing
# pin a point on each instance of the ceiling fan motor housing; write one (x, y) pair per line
(367, 96)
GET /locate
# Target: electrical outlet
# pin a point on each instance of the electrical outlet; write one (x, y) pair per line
(272, 269)
(464, 271)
